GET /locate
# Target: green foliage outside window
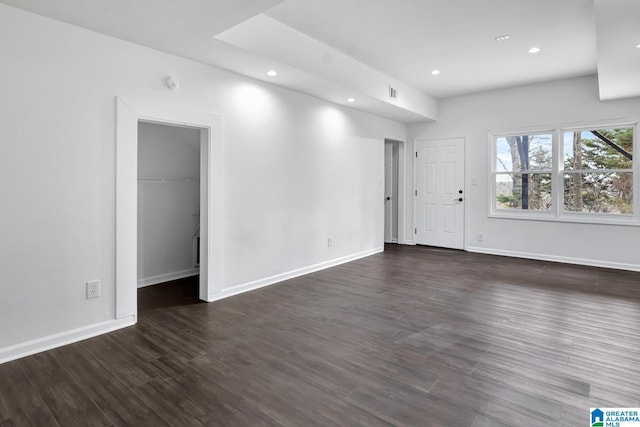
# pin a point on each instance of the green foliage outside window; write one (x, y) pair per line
(603, 181)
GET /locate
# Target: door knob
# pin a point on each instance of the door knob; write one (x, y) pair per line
(459, 199)
(388, 198)
(460, 191)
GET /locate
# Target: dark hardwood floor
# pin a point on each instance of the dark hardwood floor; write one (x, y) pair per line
(414, 336)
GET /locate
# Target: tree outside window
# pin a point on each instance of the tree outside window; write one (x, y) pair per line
(523, 178)
(598, 171)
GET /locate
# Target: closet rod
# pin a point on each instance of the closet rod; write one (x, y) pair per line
(162, 179)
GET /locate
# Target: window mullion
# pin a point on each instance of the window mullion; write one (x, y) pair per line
(557, 181)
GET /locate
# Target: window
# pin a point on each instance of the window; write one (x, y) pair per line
(598, 170)
(523, 171)
(579, 174)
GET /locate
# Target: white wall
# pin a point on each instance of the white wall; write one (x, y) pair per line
(559, 102)
(167, 211)
(296, 170)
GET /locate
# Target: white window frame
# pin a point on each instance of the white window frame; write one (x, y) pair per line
(557, 212)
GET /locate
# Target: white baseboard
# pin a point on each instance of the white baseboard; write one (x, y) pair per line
(256, 284)
(161, 278)
(28, 348)
(555, 258)
(409, 242)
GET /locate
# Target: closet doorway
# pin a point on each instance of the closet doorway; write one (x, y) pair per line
(168, 210)
(131, 112)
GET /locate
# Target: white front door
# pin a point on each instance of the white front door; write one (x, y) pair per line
(439, 194)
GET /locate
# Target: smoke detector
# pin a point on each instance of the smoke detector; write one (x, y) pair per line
(172, 82)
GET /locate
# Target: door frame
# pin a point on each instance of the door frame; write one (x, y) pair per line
(465, 179)
(402, 189)
(129, 113)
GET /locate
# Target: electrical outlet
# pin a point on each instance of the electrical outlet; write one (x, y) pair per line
(480, 237)
(93, 289)
(329, 242)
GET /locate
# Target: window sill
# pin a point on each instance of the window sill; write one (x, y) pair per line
(570, 218)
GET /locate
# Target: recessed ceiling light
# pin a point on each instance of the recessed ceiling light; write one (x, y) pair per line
(638, 45)
(351, 100)
(534, 50)
(435, 72)
(503, 38)
(272, 73)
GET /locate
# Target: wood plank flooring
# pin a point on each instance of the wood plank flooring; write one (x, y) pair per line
(414, 336)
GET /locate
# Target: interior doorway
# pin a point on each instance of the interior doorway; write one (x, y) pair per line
(129, 114)
(391, 190)
(168, 205)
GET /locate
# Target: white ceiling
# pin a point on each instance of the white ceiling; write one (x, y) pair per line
(408, 39)
(162, 24)
(382, 42)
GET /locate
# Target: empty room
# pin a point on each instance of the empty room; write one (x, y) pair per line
(320, 213)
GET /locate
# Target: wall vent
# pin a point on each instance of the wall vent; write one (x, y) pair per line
(393, 93)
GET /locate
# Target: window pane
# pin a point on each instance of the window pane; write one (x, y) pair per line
(524, 152)
(530, 191)
(596, 192)
(598, 149)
